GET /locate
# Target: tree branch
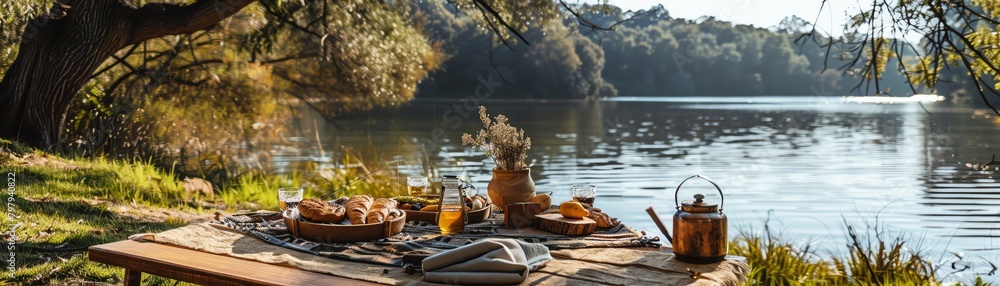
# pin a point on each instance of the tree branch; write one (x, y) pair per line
(157, 20)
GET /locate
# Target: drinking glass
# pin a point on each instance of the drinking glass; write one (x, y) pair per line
(417, 186)
(584, 193)
(289, 198)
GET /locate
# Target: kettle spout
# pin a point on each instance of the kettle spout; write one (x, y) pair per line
(659, 223)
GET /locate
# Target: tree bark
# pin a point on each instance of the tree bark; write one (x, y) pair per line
(59, 51)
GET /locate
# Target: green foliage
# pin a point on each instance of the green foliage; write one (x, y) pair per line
(875, 260)
(99, 179)
(559, 63)
(355, 175)
(872, 259)
(878, 54)
(649, 55)
(519, 15)
(253, 192)
(11, 152)
(979, 282)
(64, 206)
(359, 54)
(178, 99)
(774, 261)
(957, 43)
(15, 18)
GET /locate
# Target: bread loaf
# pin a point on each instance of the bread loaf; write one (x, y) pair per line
(320, 211)
(357, 208)
(381, 210)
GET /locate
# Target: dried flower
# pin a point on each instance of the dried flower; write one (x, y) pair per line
(505, 144)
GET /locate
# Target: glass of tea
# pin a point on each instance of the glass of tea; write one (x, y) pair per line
(417, 186)
(289, 198)
(584, 193)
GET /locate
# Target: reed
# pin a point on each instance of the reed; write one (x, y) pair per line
(877, 260)
(874, 257)
(775, 261)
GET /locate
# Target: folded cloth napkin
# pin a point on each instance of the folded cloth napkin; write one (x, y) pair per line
(491, 261)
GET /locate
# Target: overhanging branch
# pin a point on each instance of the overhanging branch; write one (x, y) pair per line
(158, 19)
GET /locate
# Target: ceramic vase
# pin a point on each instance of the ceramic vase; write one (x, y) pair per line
(509, 187)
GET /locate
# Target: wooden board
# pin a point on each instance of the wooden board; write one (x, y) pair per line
(521, 215)
(203, 268)
(556, 223)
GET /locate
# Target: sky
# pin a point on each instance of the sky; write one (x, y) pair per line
(760, 13)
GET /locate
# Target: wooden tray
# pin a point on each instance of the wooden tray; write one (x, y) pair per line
(341, 233)
(556, 223)
(476, 216)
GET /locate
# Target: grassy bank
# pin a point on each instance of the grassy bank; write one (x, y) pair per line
(63, 206)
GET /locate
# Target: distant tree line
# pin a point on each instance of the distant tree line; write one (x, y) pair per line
(651, 54)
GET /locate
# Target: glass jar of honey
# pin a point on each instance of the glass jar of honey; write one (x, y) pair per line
(451, 216)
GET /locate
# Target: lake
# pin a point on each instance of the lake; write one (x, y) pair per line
(807, 163)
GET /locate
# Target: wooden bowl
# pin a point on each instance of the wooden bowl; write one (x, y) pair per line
(476, 216)
(342, 233)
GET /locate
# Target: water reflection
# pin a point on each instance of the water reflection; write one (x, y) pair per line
(815, 162)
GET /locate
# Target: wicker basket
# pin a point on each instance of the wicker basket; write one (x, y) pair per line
(341, 233)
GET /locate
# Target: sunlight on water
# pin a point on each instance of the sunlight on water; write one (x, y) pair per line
(894, 99)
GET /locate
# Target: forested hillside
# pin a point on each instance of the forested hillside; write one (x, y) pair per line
(652, 54)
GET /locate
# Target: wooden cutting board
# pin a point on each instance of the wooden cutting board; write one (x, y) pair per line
(556, 223)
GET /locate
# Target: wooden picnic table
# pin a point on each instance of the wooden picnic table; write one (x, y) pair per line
(203, 268)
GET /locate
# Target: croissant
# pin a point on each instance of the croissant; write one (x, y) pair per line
(357, 208)
(381, 210)
(320, 211)
(603, 219)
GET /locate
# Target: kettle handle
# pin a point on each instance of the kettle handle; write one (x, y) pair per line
(677, 203)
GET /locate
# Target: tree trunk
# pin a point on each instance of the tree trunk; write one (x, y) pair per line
(60, 51)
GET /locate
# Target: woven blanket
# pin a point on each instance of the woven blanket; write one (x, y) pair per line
(584, 266)
(422, 238)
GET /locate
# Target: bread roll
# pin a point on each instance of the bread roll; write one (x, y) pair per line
(357, 208)
(381, 210)
(320, 211)
(396, 214)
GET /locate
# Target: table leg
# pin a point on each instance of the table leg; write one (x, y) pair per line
(132, 277)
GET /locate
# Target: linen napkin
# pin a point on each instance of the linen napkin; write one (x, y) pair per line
(491, 261)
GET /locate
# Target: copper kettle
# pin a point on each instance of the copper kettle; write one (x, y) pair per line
(700, 228)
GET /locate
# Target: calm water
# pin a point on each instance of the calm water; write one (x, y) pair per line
(810, 162)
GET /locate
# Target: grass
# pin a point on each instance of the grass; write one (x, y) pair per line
(64, 206)
(774, 261)
(877, 260)
(873, 257)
